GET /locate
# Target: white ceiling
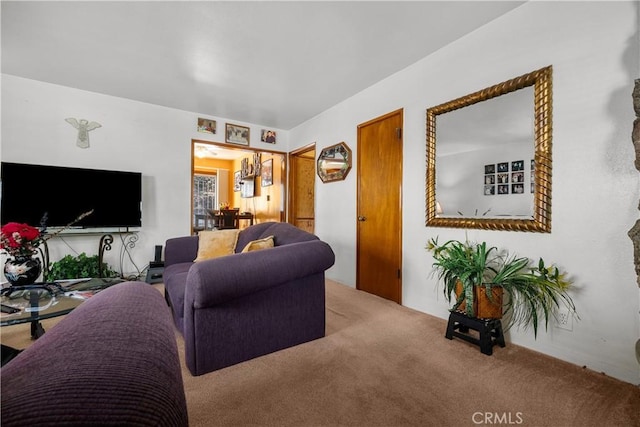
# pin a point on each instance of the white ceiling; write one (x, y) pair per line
(271, 63)
(214, 151)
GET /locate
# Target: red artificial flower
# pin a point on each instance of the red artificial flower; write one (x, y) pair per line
(19, 239)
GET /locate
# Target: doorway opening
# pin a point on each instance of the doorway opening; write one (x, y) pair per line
(302, 175)
(227, 166)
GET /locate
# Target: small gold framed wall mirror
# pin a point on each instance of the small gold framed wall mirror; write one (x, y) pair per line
(489, 157)
(334, 162)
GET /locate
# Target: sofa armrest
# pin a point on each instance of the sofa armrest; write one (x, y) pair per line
(112, 361)
(180, 249)
(215, 281)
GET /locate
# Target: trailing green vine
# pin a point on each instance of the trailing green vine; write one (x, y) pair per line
(77, 267)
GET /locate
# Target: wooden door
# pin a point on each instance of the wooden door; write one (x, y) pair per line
(379, 210)
(302, 180)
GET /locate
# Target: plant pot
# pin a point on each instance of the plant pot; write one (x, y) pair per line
(483, 307)
(488, 308)
(463, 304)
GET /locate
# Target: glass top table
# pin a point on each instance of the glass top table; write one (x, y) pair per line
(41, 301)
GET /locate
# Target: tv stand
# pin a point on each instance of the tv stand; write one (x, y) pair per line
(106, 240)
(104, 245)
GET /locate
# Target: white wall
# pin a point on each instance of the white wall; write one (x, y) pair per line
(134, 136)
(593, 48)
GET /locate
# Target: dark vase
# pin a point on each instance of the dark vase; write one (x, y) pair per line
(22, 271)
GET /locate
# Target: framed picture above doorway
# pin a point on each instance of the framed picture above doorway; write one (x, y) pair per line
(206, 125)
(236, 134)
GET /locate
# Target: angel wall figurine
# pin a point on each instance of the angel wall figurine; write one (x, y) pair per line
(83, 126)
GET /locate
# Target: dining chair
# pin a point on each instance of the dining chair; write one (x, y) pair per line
(229, 219)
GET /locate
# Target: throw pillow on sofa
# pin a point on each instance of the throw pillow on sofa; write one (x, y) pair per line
(216, 243)
(256, 245)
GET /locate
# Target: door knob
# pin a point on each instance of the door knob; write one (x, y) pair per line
(362, 218)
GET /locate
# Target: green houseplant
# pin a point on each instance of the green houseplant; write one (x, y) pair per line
(532, 291)
(76, 267)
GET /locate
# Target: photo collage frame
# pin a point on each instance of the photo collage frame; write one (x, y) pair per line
(506, 177)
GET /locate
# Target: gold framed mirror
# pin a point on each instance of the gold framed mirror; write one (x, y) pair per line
(489, 157)
(334, 162)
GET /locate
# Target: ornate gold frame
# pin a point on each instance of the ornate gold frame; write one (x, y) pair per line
(541, 80)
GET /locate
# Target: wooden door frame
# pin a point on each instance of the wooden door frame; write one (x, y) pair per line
(291, 181)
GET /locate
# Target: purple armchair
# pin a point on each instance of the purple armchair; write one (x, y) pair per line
(241, 306)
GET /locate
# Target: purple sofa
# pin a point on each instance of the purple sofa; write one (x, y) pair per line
(113, 361)
(241, 306)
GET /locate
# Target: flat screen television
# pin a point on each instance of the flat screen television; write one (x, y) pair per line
(64, 193)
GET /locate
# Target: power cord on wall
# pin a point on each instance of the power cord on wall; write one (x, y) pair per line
(127, 244)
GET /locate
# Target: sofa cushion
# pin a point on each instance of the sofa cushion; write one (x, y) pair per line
(283, 234)
(254, 232)
(217, 243)
(256, 245)
(175, 281)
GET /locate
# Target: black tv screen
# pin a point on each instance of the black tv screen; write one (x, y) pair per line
(64, 193)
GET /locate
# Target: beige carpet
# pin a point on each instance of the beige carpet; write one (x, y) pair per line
(381, 364)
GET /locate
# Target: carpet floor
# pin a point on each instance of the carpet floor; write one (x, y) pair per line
(381, 364)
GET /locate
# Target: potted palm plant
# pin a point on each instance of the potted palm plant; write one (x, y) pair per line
(478, 277)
